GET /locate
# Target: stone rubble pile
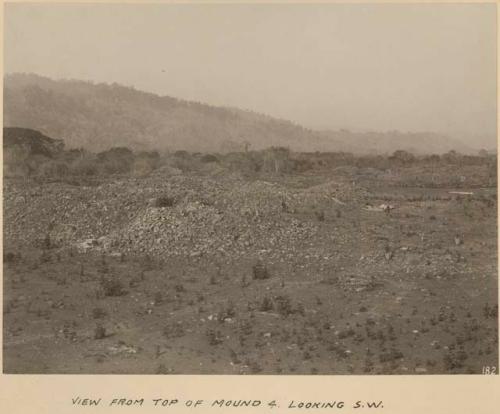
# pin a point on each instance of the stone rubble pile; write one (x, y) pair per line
(221, 215)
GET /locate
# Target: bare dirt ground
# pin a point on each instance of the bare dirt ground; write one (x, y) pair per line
(306, 277)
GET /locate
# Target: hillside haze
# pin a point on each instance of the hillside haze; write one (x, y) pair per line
(100, 116)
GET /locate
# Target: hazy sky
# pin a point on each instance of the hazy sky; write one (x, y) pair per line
(381, 67)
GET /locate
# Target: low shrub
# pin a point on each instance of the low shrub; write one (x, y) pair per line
(164, 201)
(260, 272)
(112, 287)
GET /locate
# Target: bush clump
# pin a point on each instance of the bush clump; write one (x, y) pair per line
(98, 313)
(10, 257)
(99, 332)
(112, 287)
(260, 272)
(164, 201)
(266, 304)
(209, 158)
(214, 337)
(174, 330)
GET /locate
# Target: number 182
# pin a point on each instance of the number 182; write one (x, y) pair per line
(489, 370)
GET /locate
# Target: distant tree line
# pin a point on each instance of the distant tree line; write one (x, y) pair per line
(53, 162)
(19, 161)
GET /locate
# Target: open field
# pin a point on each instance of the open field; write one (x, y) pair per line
(212, 272)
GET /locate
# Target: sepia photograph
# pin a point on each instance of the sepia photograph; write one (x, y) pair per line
(250, 189)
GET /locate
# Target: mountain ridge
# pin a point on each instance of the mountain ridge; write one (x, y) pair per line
(98, 116)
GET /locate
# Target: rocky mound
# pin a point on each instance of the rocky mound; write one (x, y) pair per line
(31, 141)
(178, 215)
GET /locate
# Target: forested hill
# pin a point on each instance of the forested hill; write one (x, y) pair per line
(100, 116)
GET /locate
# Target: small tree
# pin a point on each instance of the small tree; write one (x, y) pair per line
(403, 157)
